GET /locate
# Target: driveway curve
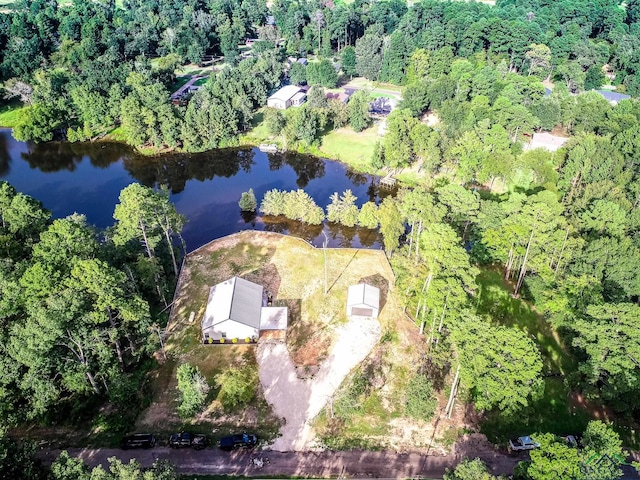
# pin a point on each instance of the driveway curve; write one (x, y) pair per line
(297, 400)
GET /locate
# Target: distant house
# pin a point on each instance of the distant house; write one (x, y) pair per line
(286, 97)
(613, 97)
(302, 61)
(547, 141)
(237, 309)
(270, 20)
(341, 97)
(363, 301)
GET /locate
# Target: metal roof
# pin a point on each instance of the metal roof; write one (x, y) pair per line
(234, 299)
(363, 294)
(273, 318)
(285, 93)
(613, 96)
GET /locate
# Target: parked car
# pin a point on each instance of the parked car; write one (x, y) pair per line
(522, 443)
(186, 439)
(241, 440)
(138, 440)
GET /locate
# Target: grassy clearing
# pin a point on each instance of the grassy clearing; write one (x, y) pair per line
(353, 148)
(273, 261)
(10, 115)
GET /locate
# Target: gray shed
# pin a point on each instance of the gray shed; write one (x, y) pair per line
(363, 301)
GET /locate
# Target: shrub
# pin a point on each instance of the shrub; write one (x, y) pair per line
(193, 388)
(237, 386)
(248, 201)
(420, 404)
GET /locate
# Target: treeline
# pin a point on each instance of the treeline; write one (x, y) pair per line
(571, 248)
(298, 205)
(84, 69)
(79, 308)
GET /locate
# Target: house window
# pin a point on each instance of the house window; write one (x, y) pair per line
(224, 334)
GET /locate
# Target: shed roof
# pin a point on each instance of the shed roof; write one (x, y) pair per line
(547, 140)
(273, 318)
(234, 299)
(285, 93)
(363, 294)
(298, 97)
(613, 96)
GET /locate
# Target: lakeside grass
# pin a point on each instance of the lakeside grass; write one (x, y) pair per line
(10, 115)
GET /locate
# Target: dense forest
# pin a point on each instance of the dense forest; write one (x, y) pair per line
(84, 69)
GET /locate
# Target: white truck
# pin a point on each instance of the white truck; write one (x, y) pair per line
(521, 444)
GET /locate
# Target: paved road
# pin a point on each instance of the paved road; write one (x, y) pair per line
(302, 464)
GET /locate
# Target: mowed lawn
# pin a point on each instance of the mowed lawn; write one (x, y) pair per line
(293, 272)
(353, 148)
(11, 114)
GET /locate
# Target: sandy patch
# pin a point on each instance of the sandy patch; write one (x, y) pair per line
(297, 400)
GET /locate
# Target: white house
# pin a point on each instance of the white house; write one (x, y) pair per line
(363, 301)
(237, 309)
(286, 97)
(547, 141)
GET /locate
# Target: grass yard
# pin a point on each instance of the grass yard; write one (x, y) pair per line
(11, 114)
(353, 148)
(273, 261)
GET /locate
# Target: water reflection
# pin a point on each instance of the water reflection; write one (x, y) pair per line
(206, 187)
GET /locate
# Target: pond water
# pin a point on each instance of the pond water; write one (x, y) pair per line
(87, 178)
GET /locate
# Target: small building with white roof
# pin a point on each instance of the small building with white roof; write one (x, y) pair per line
(363, 301)
(286, 97)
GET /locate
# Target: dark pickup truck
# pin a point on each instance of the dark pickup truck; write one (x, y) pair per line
(186, 439)
(138, 440)
(241, 440)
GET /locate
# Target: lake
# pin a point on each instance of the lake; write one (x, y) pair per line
(87, 178)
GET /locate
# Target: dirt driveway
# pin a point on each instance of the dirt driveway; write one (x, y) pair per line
(298, 401)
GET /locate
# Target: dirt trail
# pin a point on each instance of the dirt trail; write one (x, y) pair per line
(298, 401)
(354, 463)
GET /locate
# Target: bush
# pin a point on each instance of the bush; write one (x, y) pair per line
(193, 388)
(248, 201)
(420, 404)
(237, 386)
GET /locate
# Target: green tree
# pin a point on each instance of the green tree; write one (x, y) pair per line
(343, 209)
(368, 56)
(554, 459)
(303, 126)
(501, 366)
(275, 121)
(368, 216)
(248, 201)
(322, 73)
(391, 225)
(469, 470)
(193, 389)
(359, 117)
(237, 386)
(297, 74)
(348, 57)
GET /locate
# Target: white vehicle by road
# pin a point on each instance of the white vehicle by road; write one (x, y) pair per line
(522, 443)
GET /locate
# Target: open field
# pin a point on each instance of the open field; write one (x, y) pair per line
(353, 148)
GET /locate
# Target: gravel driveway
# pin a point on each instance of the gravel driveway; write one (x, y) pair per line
(299, 401)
